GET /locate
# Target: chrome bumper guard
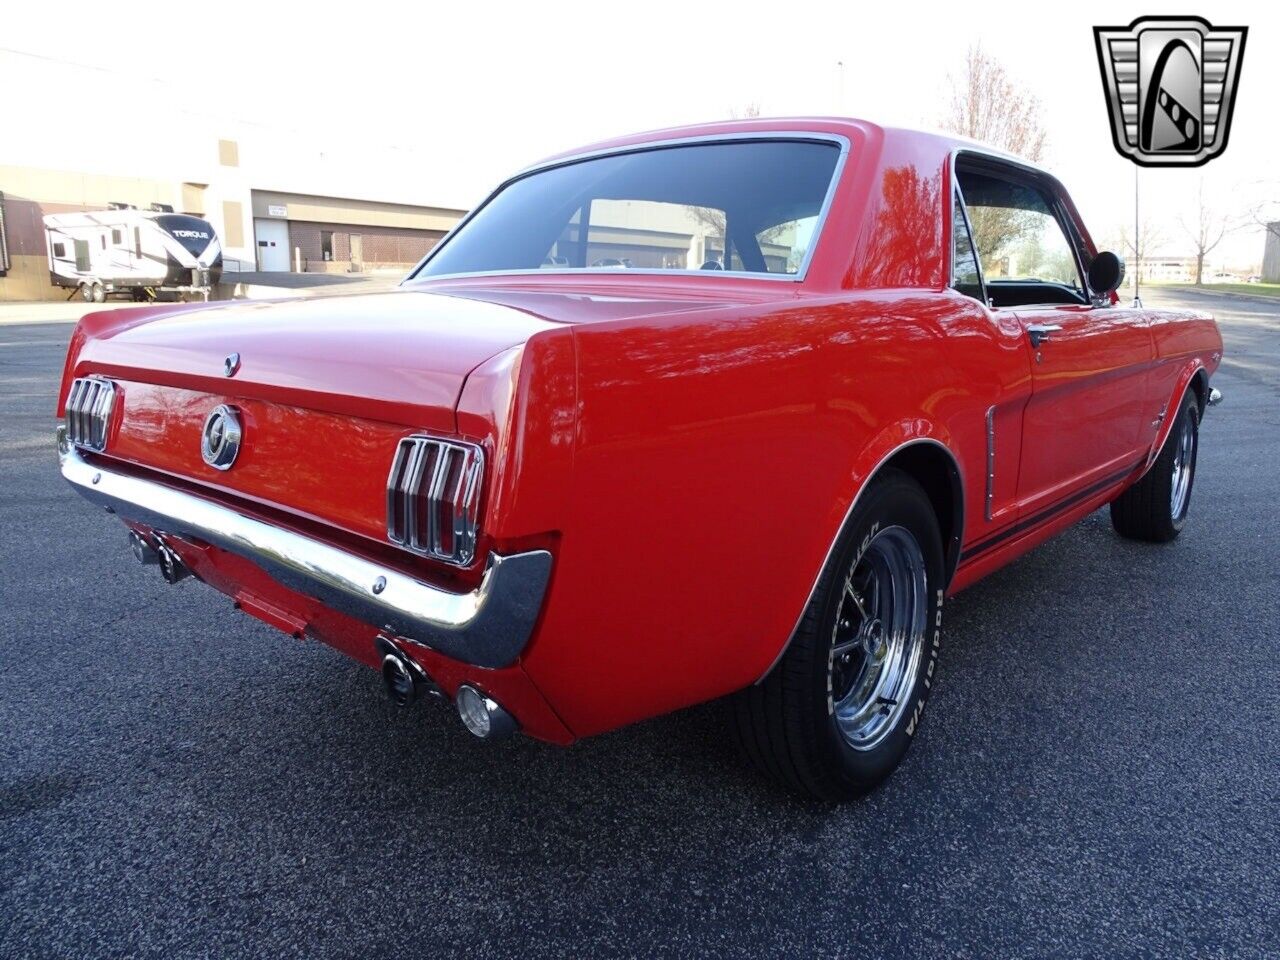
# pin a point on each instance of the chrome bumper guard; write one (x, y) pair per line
(488, 627)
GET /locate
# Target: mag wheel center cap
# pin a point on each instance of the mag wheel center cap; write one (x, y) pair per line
(874, 641)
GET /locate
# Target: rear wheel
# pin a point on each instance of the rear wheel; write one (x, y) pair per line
(98, 293)
(837, 713)
(1155, 508)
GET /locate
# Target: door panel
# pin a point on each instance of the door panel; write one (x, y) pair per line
(1089, 399)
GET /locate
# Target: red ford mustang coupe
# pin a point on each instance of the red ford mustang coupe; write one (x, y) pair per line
(720, 410)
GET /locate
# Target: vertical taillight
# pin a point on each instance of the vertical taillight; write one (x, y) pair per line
(433, 498)
(88, 409)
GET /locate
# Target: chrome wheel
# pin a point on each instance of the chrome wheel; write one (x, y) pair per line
(1184, 462)
(878, 638)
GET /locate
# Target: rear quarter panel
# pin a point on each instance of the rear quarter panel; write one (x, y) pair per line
(714, 462)
(1186, 342)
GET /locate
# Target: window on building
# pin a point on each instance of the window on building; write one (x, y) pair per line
(228, 153)
(233, 223)
(326, 244)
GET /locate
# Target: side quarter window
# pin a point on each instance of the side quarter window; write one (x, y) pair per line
(965, 275)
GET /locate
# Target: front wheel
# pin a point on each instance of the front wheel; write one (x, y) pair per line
(1155, 508)
(837, 713)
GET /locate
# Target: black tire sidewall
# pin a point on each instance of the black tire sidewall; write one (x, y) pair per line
(894, 500)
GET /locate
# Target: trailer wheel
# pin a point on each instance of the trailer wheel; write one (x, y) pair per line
(97, 294)
(86, 292)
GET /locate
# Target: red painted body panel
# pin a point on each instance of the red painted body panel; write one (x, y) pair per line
(687, 446)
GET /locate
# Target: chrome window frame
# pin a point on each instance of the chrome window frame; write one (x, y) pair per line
(1045, 181)
(962, 209)
(841, 141)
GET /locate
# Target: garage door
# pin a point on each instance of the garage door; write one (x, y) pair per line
(273, 245)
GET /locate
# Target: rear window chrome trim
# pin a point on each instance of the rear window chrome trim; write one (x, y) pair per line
(838, 140)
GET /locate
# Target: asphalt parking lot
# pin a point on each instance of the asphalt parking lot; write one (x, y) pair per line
(1098, 774)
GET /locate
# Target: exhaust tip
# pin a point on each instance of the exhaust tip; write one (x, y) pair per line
(401, 684)
(143, 552)
(483, 716)
(404, 680)
(171, 566)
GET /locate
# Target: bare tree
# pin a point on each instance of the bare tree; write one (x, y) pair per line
(713, 221)
(988, 105)
(1138, 248)
(1205, 228)
(1267, 216)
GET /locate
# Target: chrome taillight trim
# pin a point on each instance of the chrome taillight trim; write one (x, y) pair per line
(89, 406)
(444, 478)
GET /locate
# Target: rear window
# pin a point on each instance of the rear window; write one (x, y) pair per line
(744, 206)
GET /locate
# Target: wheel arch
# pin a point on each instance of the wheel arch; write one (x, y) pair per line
(933, 465)
(1195, 380)
(1200, 384)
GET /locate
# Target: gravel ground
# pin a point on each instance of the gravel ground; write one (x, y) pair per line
(1098, 773)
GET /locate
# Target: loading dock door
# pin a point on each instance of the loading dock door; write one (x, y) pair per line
(273, 244)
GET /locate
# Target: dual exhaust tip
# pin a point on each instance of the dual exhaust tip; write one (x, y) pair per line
(404, 680)
(406, 683)
(158, 554)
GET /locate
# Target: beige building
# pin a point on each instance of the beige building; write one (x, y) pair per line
(278, 198)
(1271, 254)
(1167, 269)
(260, 230)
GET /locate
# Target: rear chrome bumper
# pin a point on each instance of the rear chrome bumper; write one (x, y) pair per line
(488, 627)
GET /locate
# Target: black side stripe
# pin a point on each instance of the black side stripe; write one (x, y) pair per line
(982, 546)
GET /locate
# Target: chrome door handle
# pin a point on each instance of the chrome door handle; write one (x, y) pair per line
(1039, 333)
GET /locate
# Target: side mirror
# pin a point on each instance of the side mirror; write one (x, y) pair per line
(1106, 273)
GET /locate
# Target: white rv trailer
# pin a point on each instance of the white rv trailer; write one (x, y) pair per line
(143, 253)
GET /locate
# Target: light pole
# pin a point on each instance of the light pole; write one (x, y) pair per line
(1137, 252)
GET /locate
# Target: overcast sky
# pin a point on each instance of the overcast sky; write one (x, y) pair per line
(472, 91)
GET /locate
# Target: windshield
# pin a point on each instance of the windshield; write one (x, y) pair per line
(749, 206)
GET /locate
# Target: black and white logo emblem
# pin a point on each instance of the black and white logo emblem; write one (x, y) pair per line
(220, 441)
(1171, 86)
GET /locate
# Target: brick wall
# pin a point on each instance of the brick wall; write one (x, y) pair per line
(381, 246)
